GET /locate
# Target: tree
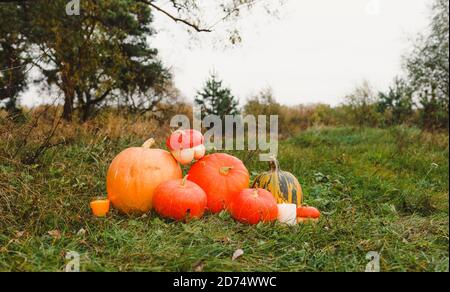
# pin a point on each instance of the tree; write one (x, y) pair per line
(428, 69)
(397, 103)
(191, 13)
(263, 104)
(102, 52)
(156, 100)
(13, 59)
(217, 100)
(196, 14)
(361, 105)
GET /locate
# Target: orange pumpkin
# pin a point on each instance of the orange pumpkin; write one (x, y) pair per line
(134, 175)
(307, 214)
(252, 206)
(179, 200)
(220, 176)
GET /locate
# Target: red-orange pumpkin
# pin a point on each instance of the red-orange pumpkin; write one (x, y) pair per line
(306, 213)
(134, 175)
(220, 176)
(179, 200)
(252, 206)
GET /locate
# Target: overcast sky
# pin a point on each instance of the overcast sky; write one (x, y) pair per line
(315, 51)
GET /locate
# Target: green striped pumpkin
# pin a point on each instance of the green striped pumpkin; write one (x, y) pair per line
(283, 185)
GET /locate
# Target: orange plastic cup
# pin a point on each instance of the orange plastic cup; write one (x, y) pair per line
(100, 207)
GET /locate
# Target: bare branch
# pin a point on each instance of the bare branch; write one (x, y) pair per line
(175, 18)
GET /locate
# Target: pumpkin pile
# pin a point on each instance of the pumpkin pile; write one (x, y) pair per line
(141, 179)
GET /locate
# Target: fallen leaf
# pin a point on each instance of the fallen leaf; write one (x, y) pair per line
(15, 241)
(55, 234)
(237, 254)
(198, 266)
(225, 240)
(81, 232)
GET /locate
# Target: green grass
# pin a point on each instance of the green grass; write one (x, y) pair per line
(379, 190)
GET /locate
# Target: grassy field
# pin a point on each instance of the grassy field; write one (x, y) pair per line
(379, 190)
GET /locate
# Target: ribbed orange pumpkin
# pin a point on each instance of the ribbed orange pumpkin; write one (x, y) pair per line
(252, 206)
(179, 200)
(134, 175)
(220, 176)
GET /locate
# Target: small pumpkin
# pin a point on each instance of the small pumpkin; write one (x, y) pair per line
(134, 175)
(251, 206)
(220, 176)
(307, 214)
(283, 185)
(186, 145)
(179, 200)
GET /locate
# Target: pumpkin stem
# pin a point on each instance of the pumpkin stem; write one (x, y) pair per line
(274, 165)
(225, 170)
(255, 193)
(183, 182)
(149, 143)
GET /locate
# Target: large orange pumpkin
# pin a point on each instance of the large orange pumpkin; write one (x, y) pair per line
(134, 175)
(252, 206)
(220, 176)
(179, 200)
